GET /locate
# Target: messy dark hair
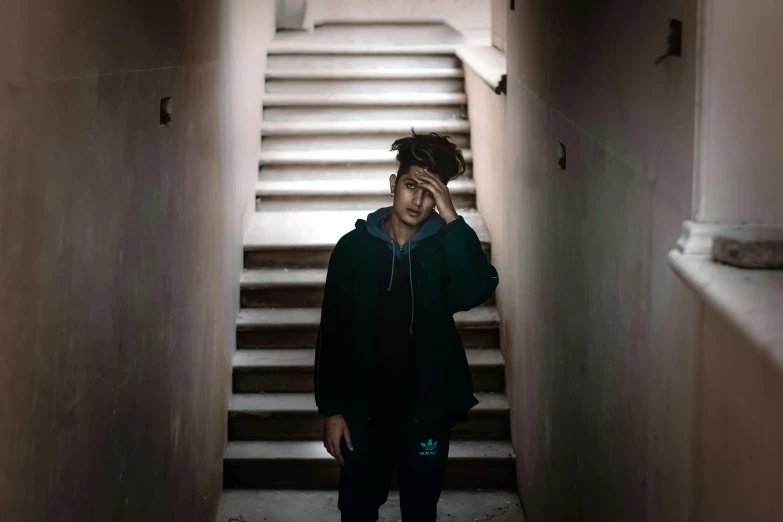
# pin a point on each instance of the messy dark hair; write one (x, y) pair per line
(436, 153)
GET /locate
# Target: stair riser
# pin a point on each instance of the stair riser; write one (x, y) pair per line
(358, 171)
(320, 474)
(382, 31)
(364, 141)
(301, 426)
(300, 380)
(281, 297)
(395, 128)
(287, 297)
(304, 337)
(445, 85)
(362, 61)
(358, 113)
(294, 258)
(342, 203)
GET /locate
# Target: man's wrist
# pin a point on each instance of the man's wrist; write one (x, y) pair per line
(450, 217)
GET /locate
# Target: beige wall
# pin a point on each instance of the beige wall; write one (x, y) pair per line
(598, 333)
(500, 9)
(120, 258)
(249, 25)
(487, 114)
(468, 15)
(740, 428)
(740, 161)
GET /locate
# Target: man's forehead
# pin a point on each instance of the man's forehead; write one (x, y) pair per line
(415, 170)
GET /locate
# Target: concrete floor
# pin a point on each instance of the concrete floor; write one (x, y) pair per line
(321, 506)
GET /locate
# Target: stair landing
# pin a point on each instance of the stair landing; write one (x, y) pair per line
(320, 228)
(321, 506)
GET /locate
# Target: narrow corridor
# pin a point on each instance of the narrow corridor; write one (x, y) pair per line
(174, 175)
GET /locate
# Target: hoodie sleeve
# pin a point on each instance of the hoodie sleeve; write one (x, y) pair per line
(471, 278)
(330, 349)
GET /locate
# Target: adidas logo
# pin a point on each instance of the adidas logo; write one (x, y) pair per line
(429, 448)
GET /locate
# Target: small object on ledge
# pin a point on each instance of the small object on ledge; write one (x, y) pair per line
(500, 88)
(748, 252)
(488, 62)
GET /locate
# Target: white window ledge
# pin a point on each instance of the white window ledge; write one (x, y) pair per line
(751, 300)
(488, 62)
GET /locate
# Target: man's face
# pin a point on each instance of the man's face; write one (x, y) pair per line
(412, 204)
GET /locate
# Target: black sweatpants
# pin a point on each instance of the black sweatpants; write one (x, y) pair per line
(419, 451)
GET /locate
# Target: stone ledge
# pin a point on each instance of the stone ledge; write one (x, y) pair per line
(487, 62)
(750, 300)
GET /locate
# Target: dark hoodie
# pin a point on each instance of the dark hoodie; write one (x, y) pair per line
(394, 314)
(447, 272)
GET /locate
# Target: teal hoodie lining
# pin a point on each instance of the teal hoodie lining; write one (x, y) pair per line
(431, 226)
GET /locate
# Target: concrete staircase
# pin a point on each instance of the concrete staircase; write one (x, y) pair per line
(330, 114)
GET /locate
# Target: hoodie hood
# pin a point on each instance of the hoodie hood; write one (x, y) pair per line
(374, 225)
(375, 221)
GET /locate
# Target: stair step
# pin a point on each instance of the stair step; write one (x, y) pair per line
(321, 505)
(363, 99)
(358, 141)
(330, 172)
(276, 230)
(402, 23)
(396, 60)
(376, 31)
(311, 128)
(275, 318)
(352, 73)
(291, 370)
(370, 112)
(360, 86)
(282, 287)
(266, 328)
(343, 188)
(343, 156)
(343, 194)
(306, 239)
(307, 465)
(364, 81)
(304, 359)
(294, 416)
(278, 47)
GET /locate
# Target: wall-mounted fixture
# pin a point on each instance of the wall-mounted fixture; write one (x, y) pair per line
(562, 156)
(673, 41)
(512, 5)
(501, 87)
(166, 111)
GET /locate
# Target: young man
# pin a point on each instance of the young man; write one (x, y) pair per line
(391, 374)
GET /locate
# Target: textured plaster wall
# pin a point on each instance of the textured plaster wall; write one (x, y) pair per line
(499, 23)
(740, 427)
(740, 159)
(469, 15)
(598, 333)
(487, 114)
(120, 256)
(249, 25)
